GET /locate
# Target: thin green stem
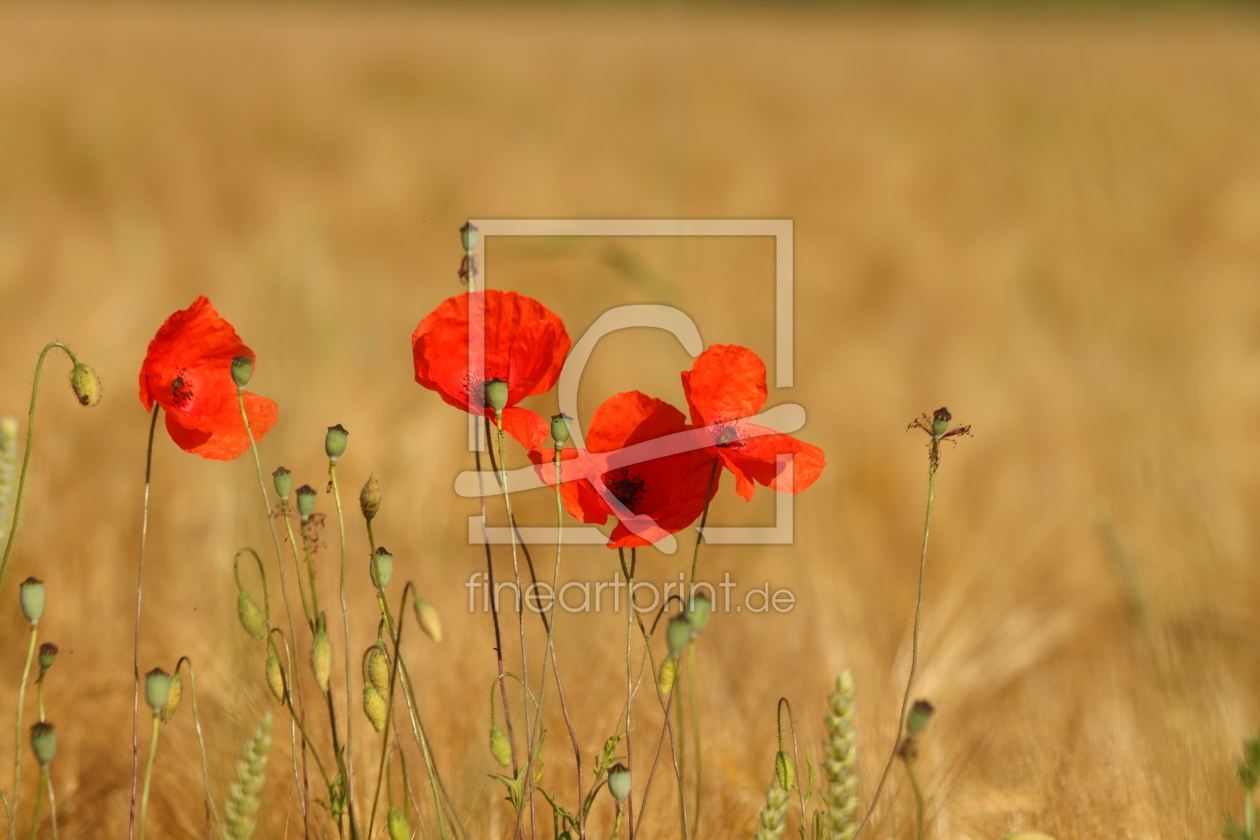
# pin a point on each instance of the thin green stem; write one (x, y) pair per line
(695, 725)
(135, 643)
(17, 750)
(704, 518)
(39, 694)
(201, 742)
(918, 799)
(345, 623)
(39, 798)
(52, 802)
(630, 616)
(148, 772)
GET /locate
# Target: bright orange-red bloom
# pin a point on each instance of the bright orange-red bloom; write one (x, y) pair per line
(525, 345)
(727, 385)
(188, 371)
(643, 464)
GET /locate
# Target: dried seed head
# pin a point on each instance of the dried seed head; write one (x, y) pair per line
(172, 700)
(85, 384)
(31, 597)
(697, 611)
(306, 501)
(677, 634)
(275, 677)
(43, 742)
(378, 668)
(157, 689)
(468, 237)
(242, 370)
(665, 677)
(251, 617)
(374, 707)
(370, 497)
(283, 480)
(399, 828)
(917, 720)
(335, 442)
(430, 623)
(940, 421)
(619, 782)
(47, 656)
(500, 746)
(321, 658)
(496, 394)
(381, 568)
(560, 429)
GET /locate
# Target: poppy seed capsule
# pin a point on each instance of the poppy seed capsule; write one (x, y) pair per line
(917, 720)
(43, 742)
(335, 442)
(374, 707)
(242, 370)
(283, 481)
(697, 612)
(275, 677)
(940, 421)
(381, 568)
(619, 782)
(321, 658)
(560, 428)
(47, 656)
(665, 677)
(496, 394)
(677, 634)
(172, 701)
(31, 597)
(500, 746)
(370, 498)
(784, 772)
(85, 384)
(468, 237)
(399, 828)
(251, 617)
(306, 501)
(378, 668)
(430, 623)
(157, 689)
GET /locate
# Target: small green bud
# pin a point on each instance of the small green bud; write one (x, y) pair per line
(251, 617)
(500, 746)
(47, 656)
(564, 835)
(381, 568)
(697, 611)
(85, 384)
(496, 394)
(399, 828)
(275, 677)
(172, 700)
(335, 442)
(665, 678)
(468, 237)
(31, 597)
(917, 720)
(619, 782)
(283, 480)
(784, 771)
(43, 742)
(677, 634)
(560, 429)
(321, 658)
(157, 689)
(370, 498)
(242, 370)
(378, 668)
(306, 501)
(430, 623)
(374, 707)
(940, 421)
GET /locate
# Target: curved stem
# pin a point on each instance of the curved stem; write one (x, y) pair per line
(148, 773)
(17, 750)
(135, 661)
(201, 743)
(345, 622)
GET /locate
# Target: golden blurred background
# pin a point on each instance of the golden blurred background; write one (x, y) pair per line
(1047, 221)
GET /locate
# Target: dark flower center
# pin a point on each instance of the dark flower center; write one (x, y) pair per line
(727, 435)
(625, 488)
(181, 391)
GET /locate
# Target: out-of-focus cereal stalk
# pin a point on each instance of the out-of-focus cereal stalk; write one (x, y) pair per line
(8, 472)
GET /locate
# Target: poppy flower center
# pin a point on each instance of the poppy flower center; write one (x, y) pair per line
(475, 389)
(625, 488)
(181, 391)
(727, 435)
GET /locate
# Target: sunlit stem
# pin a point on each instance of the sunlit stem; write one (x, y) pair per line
(52, 801)
(135, 643)
(148, 772)
(17, 749)
(201, 742)
(918, 798)
(39, 798)
(630, 608)
(345, 623)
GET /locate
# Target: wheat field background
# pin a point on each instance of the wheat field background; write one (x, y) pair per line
(1048, 222)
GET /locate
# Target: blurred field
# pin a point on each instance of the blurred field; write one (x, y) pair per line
(1049, 224)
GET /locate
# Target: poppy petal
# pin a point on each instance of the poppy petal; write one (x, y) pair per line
(756, 459)
(726, 382)
(529, 429)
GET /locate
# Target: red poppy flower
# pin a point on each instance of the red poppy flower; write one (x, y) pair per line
(726, 385)
(642, 464)
(188, 371)
(525, 346)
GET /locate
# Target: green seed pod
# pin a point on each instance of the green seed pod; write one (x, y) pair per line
(619, 782)
(283, 480)
(399, 828)
(85, 384)
(784, 771)
(496, 394)
(697, 612)
(500, 746)
(321, 658)
(157, 689)
(468, 237)
(560, 429)
(251, 617)
(242, 370)
(940, 421)
(378, 668)
(31, 597)
(370, 497)
(306, 501)
(564, 835)
(374, 707)
(381, 568)
(428, 618)
(172, 699)
(677, 634)
(275, 677)
(43, 742)
(665, 678)
(335, 442)
(917, 720)
(47, 656)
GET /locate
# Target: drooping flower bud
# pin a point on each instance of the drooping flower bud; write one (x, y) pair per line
(47, 656)
(85, 384)
(496, 394)
(378, 668)
(381, 568)
(697, 612)
(306, 501)
(677, 634)
(374, 707)
(370, 498)
(399, 828)
(784, 771)
(43, 742)
(321, 657)
(172, 700)
(940, 421)
(560, 429)
(275, 677)
(335, 442)
(917, 720)
(430, 623)
(157, 689)
(500, 746)
(665, 677)
(242, 370)
(31, 597)
(251, 616)
(468, 237)
(283, 480)
(619, 782)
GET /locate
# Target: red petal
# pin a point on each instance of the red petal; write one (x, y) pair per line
(726, 382)
(527, 427)
(222, 437)
(756, 459)
(199, 345)
(580, 498)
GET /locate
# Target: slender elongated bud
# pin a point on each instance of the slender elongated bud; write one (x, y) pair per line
(697, 611)
(85, 384)
(496, 394)
(321, 656)
(468, 237)
(378, 668)
(242, 370)
(335, 442)
(665, 678)
(43, 742)
(306, 501)
(940, 421)
(677, 634)
(275, 677)
(370, 498)
(399, 828)
(251, 616)
(47, 656)
(381, 568)
(31, 597)
(619, 782)
(374, 707)
(784, 770)
(172, 700)
(917, 720)
(500, 746)
(560, 429)
(430, 623)
(283, 481)
(157, 689)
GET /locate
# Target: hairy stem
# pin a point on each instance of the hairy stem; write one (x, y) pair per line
(148, 772)
(135, 652)
(17, 749)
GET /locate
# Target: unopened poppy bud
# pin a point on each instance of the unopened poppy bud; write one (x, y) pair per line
(430, 623)
(917, 720)
(85, 384)
(275, 677)
(47, 656)
(560, 428)
(496, 394)
(370, 498)
(251, 617)
(283, 480)
(784, 771)
(321, 658)
(940, 421)
(378, 668)
(374, 707)
(157, 689)
(677, 634)
(172, 700)
(242, 370)
(665, 678)
(43, 742)
(335, 441)
(381, 568)
(31, 597)
(500, 746)
(306, 501)
(697, 612)
(399, 828)
(468, 237)
(619, 782)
